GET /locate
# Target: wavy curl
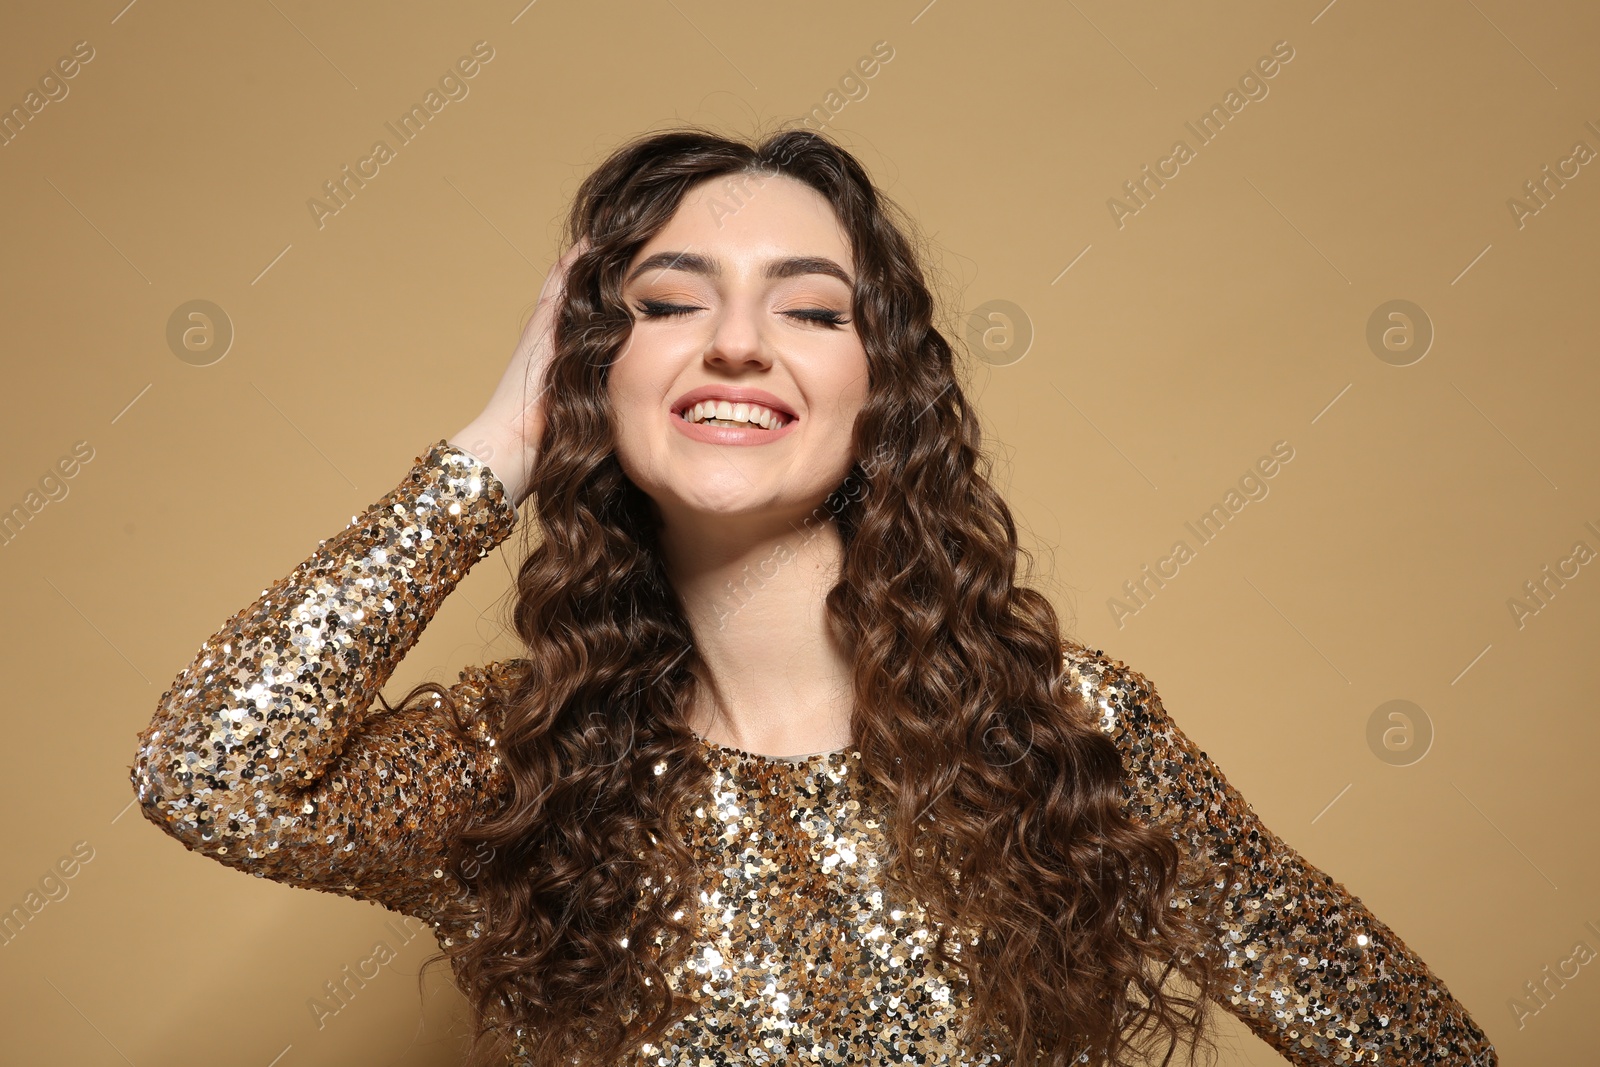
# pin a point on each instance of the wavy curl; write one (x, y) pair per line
(1007, 801)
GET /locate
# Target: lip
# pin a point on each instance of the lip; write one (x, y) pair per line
(734, 395)
(732, 435)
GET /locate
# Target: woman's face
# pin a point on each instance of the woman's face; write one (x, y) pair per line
(743, 299)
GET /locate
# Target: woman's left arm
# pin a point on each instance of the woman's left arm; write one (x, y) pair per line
(1305, 965)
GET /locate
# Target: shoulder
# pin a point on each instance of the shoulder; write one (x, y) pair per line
(477, 701)
(1118, 694)
(1168, 776)
(441, 770)
(453, 730)
(488, 689)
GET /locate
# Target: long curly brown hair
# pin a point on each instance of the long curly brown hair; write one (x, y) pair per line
(1007, 802)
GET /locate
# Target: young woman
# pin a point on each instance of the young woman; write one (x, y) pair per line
(766, 529)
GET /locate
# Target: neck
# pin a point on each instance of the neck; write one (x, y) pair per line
(755, 595)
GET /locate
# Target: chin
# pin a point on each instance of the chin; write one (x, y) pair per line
(779, 506)
(742, 499)
(711, 486)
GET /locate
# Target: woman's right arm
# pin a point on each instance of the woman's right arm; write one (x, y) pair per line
(266, 753)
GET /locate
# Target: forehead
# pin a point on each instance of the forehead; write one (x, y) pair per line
(742, 217)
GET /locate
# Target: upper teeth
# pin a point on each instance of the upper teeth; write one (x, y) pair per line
(722, 409)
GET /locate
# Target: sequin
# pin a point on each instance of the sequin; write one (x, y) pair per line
(268, 754)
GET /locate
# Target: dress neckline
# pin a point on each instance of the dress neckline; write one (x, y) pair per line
(794, 761)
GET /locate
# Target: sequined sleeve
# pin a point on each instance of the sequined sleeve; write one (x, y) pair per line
(267, 753)
(1307, 967)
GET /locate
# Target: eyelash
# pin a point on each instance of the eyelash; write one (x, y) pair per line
(656, 309)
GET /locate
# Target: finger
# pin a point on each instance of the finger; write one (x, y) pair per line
(555, 283)
(572, 254)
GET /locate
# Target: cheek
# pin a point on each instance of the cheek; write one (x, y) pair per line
(637, 381)
(623, 388)
(619, 397)
(849, 383)
(631, 400)
(847, 388)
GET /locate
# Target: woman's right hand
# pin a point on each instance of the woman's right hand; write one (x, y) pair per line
(505, 435)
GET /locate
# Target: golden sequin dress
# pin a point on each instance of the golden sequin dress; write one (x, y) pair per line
(268, 753)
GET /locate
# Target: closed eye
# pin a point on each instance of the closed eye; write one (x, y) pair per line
(656, 309)
(827, 316)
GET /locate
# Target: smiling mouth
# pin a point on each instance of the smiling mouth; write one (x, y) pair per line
(741, 415)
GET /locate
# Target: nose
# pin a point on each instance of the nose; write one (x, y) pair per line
(737, 340)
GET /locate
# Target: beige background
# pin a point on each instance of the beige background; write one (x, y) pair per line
(1228, 313)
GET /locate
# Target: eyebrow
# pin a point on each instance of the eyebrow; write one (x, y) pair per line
(694, 263)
